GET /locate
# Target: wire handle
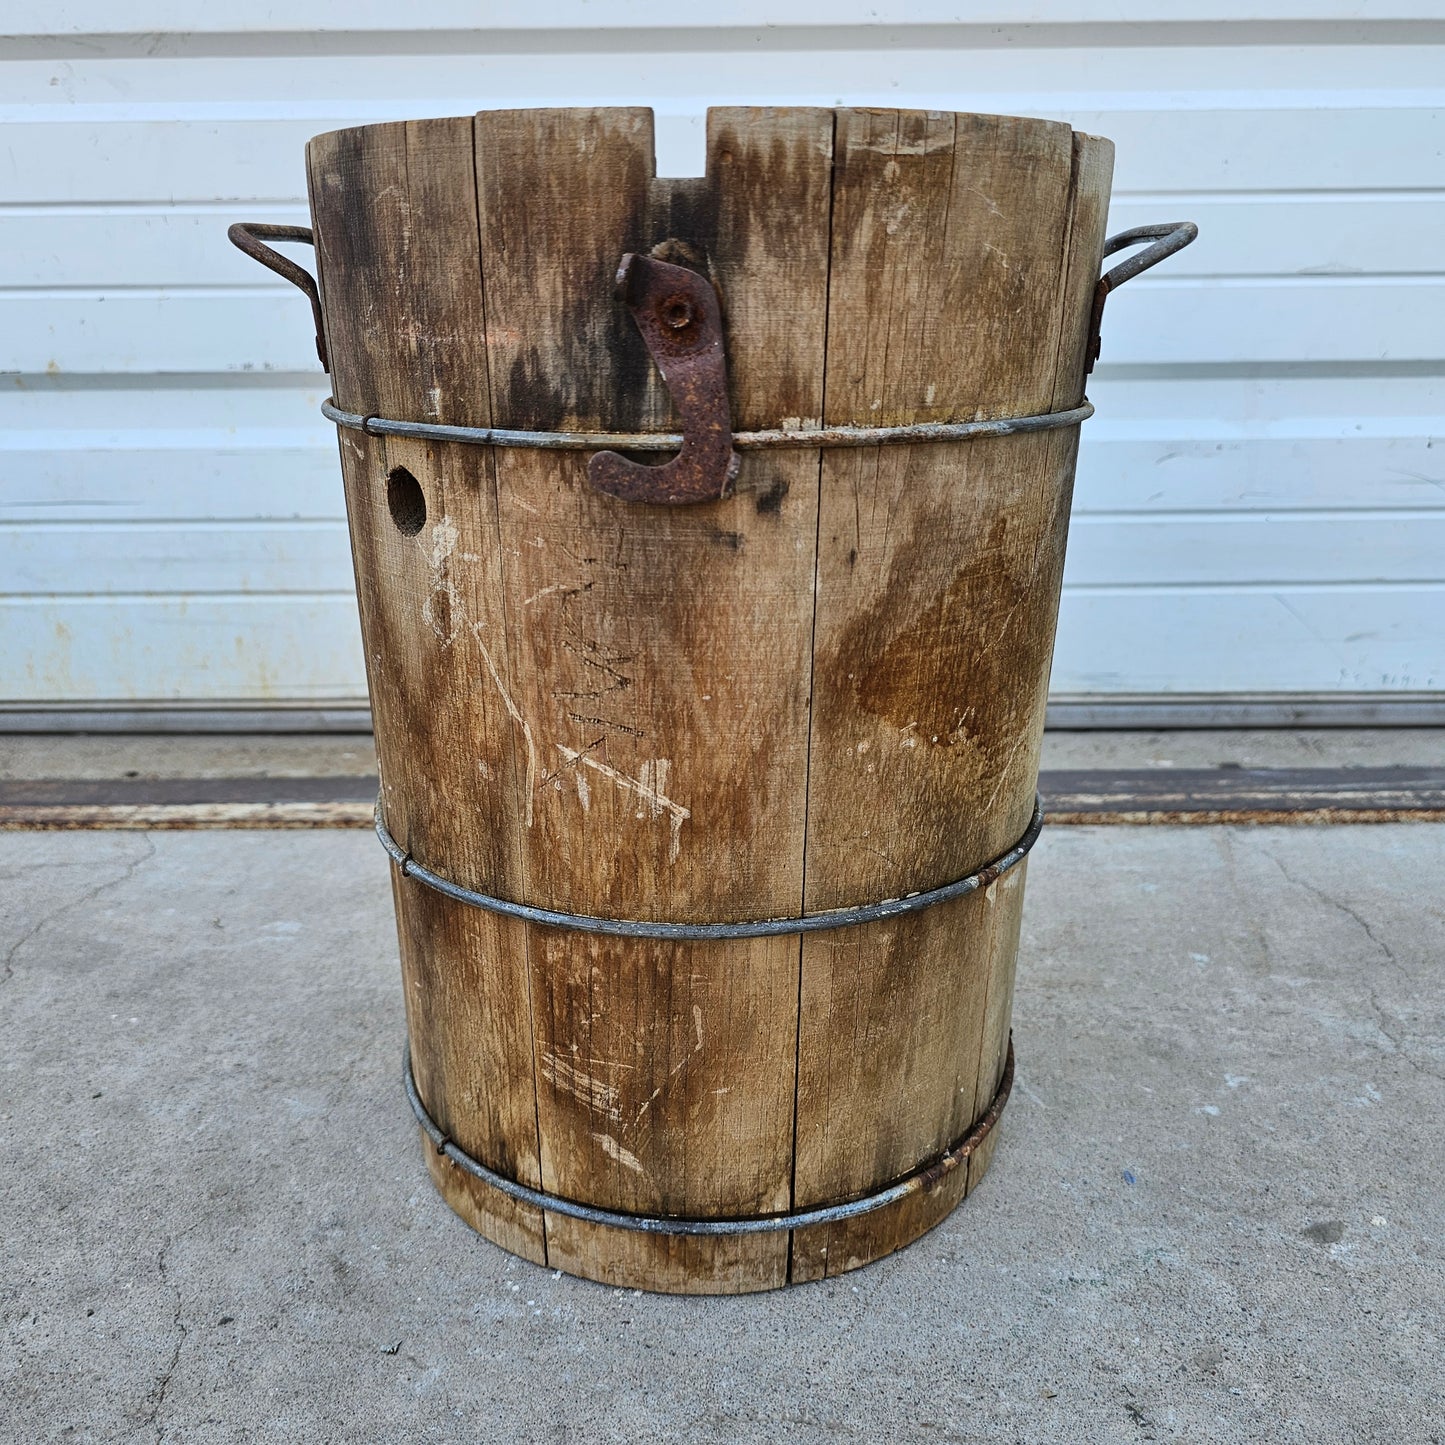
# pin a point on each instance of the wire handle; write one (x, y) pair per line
(248, 236)
(1168, 237)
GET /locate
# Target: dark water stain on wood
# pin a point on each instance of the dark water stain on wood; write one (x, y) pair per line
(961, 655)
(771, 498)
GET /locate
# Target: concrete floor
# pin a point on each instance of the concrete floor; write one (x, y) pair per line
(1216, 1214)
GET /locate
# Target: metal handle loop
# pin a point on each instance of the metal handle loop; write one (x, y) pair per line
(1168, 237)
(247, 236)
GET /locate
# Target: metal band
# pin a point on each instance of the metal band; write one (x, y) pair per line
(923, 1178)
(748, 928)
(651, 441)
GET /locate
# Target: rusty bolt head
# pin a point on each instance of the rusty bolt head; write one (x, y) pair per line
(677, 313)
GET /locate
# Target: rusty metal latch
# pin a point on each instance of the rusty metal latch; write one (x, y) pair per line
(676, 310)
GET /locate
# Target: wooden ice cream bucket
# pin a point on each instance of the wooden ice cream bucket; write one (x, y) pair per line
(630, 750)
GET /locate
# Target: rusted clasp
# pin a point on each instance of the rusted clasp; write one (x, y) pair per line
(1168, 238)
(676, 310)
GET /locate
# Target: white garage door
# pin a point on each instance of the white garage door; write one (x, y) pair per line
(1259, 507)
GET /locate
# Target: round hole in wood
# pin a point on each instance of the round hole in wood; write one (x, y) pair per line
(406, 501)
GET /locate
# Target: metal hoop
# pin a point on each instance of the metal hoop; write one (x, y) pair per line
(748, 928)
(652, 441)
(925, 1177)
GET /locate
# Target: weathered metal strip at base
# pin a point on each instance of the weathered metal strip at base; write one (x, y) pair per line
(169, 818)
(181, 817)
(923, 1178)
(1247, 817)
(186, 803)
(1174, 796)
(1232, 794)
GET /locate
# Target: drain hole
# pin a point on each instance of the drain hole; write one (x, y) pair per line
(406, 501)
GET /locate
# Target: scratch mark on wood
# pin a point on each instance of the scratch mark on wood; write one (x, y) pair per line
(596, 1093)
(648, 788)
(647, 1103)
(516, 718)
(653, 779)
(675, 1070)
(442, 621)
(613, 1150)
(602, 722)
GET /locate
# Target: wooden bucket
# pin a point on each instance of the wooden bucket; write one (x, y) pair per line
(823, 690)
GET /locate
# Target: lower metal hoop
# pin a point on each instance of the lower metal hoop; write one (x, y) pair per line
(925, 1177)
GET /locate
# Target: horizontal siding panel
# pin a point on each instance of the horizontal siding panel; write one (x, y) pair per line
(241, 329)
(1258, 235)
(1150, 322)
(207, 410)
(1170, 473)
(102, 247)
(1119, 549)
(1309, 147)
(1348, 639)
(103, 17)
(180, 649)
(1286, 402)
(195, 558)
(190, 451)
(252, 481)
(257, 158)
(245, 447)
(1169, 322)
(198, 410)
(1115, 550)
(1244, 235)
(1183, 473)
(293, 648)
(682, 71)
(159, 160)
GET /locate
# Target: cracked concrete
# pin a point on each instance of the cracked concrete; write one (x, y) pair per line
(1216, 1212)
(156, 1398)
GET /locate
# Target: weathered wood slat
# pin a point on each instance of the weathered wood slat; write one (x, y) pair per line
(1092, 161)
(396, 232)
(660, 655)
(936, 568)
